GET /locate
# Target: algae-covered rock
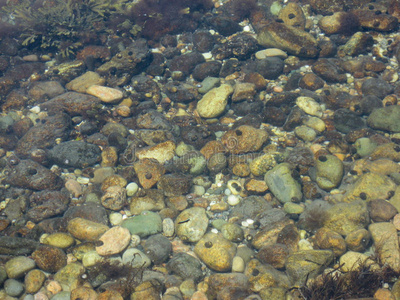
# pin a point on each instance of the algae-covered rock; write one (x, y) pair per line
(385, 118)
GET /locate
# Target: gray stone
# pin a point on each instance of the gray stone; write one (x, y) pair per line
(191, 224)
(13, 287)
(385, 118)
(282, 184)
(158, 248)
(75, 154)
(186, 266)
(329, 172)
(17, 246)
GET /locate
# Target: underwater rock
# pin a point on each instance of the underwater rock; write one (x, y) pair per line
(191, 224)
(244, 139)
(329, 172)
(46, 204)
(282, 184)
(75, 154)
(185, 266)
(216, 252)
(214, 102)
(31, 175)
(293, 40)
(132, 60)
(385, 118)
(143, 225)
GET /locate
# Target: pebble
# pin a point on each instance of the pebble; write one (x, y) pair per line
(91, 258)
(59, 239)
(158, 248)
(115, 240)
(168, 227)
(135, 258)
(114, 198)
(49, 259)
(161, 152)
(105, 94)
(34, 281)
(145, 224)
(18, 266)
(86, 230)
(216, 252)
(271, 52)
(233, 200)
(116, 218)
(191, 224)
(13, 287)
(131, 189)
(214, 101)
(351, 261)
(238, 264)
(309, 106)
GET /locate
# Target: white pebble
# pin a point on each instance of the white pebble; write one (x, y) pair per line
(227, 192)
(214, 230)
(135, 240)
(250, 221)
(207, 55)
(131, 189)
(83, 180)
(245, 224)
(35, 109)
(233, 200)
(238, 264)
(116, 218)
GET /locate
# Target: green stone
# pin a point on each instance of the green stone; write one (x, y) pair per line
(145, 224)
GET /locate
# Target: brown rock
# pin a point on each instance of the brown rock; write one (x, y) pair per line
(381, 210)
(49, 259)
(153, 200)
(244, 139)
(377, 22)
(114, 198)
(80, 84)
(241, 169)
(149, 171)
(109, 157)
(256, 186)
(358, 240)
(177, 202)
(83, 293)
(211, 148)
(311, 82)
(34, 281)
(243, 91)
(330, 240)
(386, 242)
(110, 295)
(293, 15)
(275, 255)
(175, 184)
(227, 286)
(146, 290)
(113, 180)
(339, 22)
(216, 252)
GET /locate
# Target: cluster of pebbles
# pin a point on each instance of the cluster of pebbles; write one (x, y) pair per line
(215, 167)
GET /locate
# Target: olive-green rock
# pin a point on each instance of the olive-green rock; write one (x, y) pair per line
(232, 232)
(345, 218)
(329, 172)
(364, 146)
(68, 274)
(370, 186)
(145, 224)
(59, 239)
(307, 264)
(191, 224)
(282, 184)
(18, 266)
(385, 118)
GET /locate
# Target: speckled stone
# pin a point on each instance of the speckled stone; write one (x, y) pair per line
(83, 292)
(68, 274)
(59, 239)
(161, 152)
(330, 240)
(114, 198)
(244, 139)
(191, 224)
(18, 266)
(34, 281)
(148, 172)
(216, 252)
(347, 217)
(214, 101)
(351, 261)
(86, 230)
(49, 259)
(136, 258)
(115, 240)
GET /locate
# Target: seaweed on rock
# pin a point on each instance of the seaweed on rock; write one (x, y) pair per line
(61, 25)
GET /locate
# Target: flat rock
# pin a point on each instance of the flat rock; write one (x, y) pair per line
(115, 240)
(385, 118)
(81, 83)
(145, 224)
(214, 102)
(162, 152)
(105, 94)
(244, 139)
(386, 242)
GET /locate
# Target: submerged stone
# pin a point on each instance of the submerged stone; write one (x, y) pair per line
(145, 224)
(282, 184)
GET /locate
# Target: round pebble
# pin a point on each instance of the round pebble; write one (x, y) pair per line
(238, 264)
(115, 240)
(13, 287)
(131, 189)
(233, 200)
